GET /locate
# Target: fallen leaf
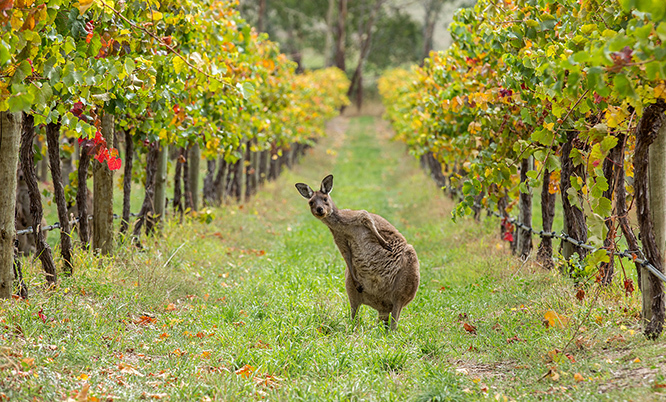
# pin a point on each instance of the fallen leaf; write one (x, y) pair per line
(205, 354)
(179, 352)
(579, 377)
(245, 371)
(28, 362)
(145, 320)
(127, 369)
(555, 320)
(514, 339)
(580, 295)
(469, 328)
(146, 395)
(637, 360)
(656, 385)
(170, 307)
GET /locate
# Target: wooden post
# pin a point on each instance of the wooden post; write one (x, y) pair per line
(160, 185)
(103, 195)
(649, 187)
(193, 163)
(10, 135)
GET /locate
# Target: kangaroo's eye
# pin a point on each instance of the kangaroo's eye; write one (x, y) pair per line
(311, 203)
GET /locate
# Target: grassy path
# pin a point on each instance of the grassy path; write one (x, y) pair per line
(253, 306)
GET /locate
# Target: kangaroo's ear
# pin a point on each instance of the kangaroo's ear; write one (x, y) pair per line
(305, 190)
(327, 184)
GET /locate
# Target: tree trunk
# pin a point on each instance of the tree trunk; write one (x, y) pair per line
(261, 17)
(340, 35)
(525, 201)
(43, 250)
(187, 190)
(127, 181)
(237, 185)
(209, 182)
(330, 28)
(574, 218)
(177, 181)
(545, 252)
(159, 212)
(366, 42)
(255, 171)
(650, 193)
(431, 15)
(248, 172)
(264, 163)
(10, 135)
(22, 290)
(193, 161)
(220, 181)
(82, 193)
(273, 168)
(146, 214)
(103, 199)
(53, 140)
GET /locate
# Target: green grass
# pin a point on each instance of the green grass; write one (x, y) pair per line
(253, 307)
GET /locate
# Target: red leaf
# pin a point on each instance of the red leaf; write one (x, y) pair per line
(41, 315)
(114, 163)
(469, 328)
(508, 236)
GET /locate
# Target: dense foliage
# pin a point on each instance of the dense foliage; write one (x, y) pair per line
(177, 71)
(518, 78)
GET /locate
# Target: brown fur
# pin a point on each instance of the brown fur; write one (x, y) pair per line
(382, 268)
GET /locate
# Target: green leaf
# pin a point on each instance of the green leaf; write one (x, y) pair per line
(623, 86)
(20, 102)
(129, 65)
(608, 143)
(661, 31)
(247, 89)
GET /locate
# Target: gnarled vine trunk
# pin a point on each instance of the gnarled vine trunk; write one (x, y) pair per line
(574, 218)
(43, 250)
(53, 140)
(127, 181)
(545, 251)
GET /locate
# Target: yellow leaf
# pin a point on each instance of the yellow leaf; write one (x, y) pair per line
(579, 377)
(156, 15)
(84, 5)
(549, 126)
(555, 320)
(178, 65)
(637, 360)
(660, 91)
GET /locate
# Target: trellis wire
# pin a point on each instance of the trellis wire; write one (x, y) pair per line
(56, 225)
(626, 253)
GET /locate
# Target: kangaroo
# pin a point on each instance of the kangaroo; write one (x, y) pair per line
(382, 268)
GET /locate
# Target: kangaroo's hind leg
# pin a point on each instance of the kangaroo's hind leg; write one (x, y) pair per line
(355, 297)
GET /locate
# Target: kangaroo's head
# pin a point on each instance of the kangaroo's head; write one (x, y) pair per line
(321, 204)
